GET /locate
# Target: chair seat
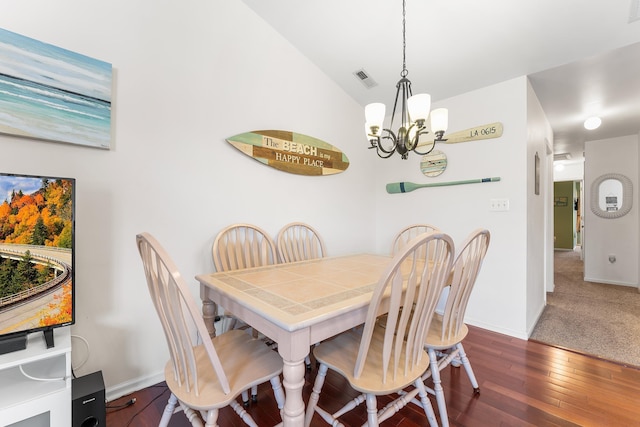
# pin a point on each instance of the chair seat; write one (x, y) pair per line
(434, 336)
(247, 361)
(340, 353)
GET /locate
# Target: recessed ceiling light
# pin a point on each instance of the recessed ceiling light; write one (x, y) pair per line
(592, 123)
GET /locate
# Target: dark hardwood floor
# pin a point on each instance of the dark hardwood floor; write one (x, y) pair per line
(522, 383)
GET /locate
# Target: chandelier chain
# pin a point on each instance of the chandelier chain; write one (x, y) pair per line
(404, 40)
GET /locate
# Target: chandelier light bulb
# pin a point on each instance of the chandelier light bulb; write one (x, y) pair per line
(419, 106)
(374, 114)
(592, 123)
(439, 120)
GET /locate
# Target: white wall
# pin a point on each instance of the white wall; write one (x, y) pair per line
(573, 171)
(186, 75)
(539, 209)
(617, 236)
(190, 73)
(499, 299)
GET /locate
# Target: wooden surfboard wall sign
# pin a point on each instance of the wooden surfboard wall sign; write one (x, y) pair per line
(491, 130)
(291, 152)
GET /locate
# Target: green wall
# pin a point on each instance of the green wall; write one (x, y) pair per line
(563, 226)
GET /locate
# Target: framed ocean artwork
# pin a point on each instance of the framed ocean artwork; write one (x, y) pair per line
(50, 93)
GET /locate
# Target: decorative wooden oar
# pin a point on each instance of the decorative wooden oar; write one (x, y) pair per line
(405, 187)
(492, 130)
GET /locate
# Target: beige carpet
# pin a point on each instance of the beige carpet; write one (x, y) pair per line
(593, 318)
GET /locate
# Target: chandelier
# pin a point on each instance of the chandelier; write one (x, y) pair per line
(413, 113)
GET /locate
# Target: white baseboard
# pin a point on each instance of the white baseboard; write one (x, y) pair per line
(131, 386)
(610, 282)
(512, 333)
(538, 315)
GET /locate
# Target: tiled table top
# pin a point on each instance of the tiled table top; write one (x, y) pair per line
(299, 292)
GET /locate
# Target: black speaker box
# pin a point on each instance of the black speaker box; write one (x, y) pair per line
(88, 406)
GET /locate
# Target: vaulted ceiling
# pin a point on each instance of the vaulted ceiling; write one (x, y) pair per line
(582, 57)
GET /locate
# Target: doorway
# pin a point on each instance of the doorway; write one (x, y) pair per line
(567, 215)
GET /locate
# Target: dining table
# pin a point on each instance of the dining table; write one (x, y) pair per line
(296, 305)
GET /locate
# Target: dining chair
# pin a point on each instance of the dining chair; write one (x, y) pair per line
(406, 234)
(298, 241)
(447, 330)
(203, 374)
(387, 354)
(243, 246)
(239, 246)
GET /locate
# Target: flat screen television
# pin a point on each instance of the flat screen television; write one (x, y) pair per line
(37, 240)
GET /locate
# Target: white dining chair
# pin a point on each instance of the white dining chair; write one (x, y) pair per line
(447, 330)
(405, 235)
(242, 245)
(298, 241)
(236, 247)
(387, 355)
(204, 374)
(239, 246)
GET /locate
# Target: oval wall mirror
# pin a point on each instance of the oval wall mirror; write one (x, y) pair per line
(611, 195)
(434, 163)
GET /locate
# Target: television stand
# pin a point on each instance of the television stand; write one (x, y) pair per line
(27, 402)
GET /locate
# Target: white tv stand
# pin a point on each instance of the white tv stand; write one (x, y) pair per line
(25, 402)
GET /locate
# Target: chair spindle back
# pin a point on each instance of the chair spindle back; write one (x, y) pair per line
(298, 241)
(465, 272)
(241, 246)
(412, 282)
(178, 314)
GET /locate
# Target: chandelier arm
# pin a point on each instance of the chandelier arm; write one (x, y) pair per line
(389, 153)
(413, 142)
(415, 150)
(439, 135)
(416, 140)
(395, 104)
(390, 136)
(376, 144)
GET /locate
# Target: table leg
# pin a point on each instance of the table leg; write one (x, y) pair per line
(209, 309)
(293, 381)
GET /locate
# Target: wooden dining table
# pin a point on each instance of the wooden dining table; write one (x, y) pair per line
(296, 305)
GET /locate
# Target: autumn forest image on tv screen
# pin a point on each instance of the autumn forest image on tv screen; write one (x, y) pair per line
(36, 252)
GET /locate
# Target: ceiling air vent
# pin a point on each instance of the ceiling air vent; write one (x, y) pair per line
(561, 156)
(366, 80)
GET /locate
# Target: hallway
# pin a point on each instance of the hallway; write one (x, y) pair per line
(593, 318)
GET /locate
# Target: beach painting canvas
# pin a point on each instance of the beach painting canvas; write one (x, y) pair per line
(51, 93)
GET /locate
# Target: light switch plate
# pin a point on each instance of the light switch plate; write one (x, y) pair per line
(498, 205)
